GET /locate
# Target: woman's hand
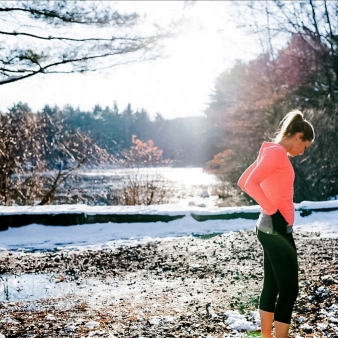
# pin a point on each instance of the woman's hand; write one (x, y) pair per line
(279, 223)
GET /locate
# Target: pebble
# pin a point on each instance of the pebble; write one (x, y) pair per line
(92, 324)
(71, 328)
(188, 287)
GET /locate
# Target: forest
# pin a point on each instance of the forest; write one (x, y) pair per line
(40, 150)
(251, 98)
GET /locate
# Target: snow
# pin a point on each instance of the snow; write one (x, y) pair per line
(161, 209)
(306, 327)
(92, 324)
(238, 322)
(111, 235)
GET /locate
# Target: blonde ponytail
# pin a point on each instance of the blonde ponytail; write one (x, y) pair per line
(294, 122)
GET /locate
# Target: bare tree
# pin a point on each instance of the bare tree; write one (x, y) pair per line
(44, 37)
(317, 169)
(315, 22)
(38, 152)
(17, 154)
(142, 184)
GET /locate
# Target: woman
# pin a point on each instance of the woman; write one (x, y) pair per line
(269, 181)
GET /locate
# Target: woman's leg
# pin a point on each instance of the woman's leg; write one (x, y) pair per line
(267, 300)
(286, 272)
(285, 266)
(281, 330)
(266, 323)
(282, 256)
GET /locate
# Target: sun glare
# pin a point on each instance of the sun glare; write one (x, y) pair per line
(207, 43)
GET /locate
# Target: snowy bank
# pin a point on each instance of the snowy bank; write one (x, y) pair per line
(82, 214)
(113, 234)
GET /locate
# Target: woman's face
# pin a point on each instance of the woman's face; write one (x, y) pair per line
(298, 145)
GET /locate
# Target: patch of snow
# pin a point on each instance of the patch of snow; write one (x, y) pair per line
(333, 307)
(306, 327)
(300, 319)
(238, 322)
(71, 328)
(10, 321)
(92, 324)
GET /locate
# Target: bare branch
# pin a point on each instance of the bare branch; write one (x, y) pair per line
(330, 27)
(314, 18)
(80, 17)
(43, 69)
(40, 53)
(48, 38)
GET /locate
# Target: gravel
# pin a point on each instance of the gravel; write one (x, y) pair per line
(187, 287)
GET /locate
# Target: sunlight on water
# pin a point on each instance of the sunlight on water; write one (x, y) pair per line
(183, 181)
(186, 176)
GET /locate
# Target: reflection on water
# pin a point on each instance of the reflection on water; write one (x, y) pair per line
(188, 177)
(32, 287)
(105, 186)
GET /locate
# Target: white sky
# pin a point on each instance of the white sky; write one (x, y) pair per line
(177, 86)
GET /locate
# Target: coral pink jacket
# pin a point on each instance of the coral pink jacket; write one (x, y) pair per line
(269, 181)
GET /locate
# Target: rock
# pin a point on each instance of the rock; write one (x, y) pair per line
(98, 333)
(71, 328)
(205, 194)
(154, 321)
(92, 324)
(210, 311)
(306, 328)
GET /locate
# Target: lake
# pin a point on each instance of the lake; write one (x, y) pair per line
(180, 182)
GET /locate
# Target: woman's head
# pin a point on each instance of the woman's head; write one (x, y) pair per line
(296, 132)
(293, 123)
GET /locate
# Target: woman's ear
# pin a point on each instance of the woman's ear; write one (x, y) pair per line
(299, 136)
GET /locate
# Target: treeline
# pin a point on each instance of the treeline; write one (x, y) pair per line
(251, 98)
(41, 151)
(183, 140)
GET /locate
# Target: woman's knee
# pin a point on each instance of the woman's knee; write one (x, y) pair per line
(284, 308)
(289, 292)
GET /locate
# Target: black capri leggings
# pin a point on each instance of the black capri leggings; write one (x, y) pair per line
(280, 275)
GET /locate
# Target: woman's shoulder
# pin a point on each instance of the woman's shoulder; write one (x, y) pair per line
(272, 147)
(273, 151)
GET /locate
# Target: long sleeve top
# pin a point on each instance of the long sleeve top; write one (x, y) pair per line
(269, 181)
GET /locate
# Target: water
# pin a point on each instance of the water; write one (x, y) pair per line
(32, 287)
(181, 176)
(184, 181)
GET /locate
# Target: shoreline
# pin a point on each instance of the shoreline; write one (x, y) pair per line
(187, 287)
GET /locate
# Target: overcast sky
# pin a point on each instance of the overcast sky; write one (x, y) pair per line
(177, 86)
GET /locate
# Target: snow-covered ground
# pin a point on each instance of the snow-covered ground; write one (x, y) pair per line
(103, 235)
